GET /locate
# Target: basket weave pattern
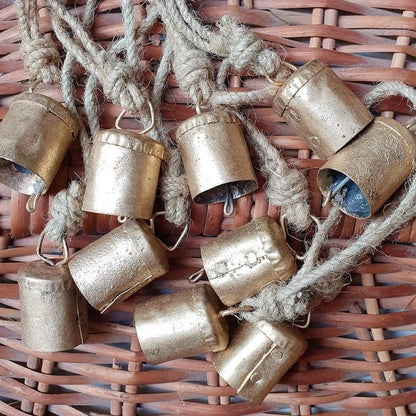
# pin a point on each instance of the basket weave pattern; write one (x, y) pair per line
(362, 346)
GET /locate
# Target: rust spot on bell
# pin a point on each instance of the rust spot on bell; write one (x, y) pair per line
(215, 157)
(258, 356)
(180, 324)
(321, 108)
(363, 175)
(35, 135)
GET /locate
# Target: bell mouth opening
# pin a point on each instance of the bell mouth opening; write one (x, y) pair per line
(345, 193)
(220, 193)
(21, 179)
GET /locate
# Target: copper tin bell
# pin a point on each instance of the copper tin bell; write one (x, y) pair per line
(118, 264)
(321, 108)
(180, 324)
(362, 176)
(53, 312)
(258, 356)
(35, 135)
(241, 262)
(215, 157)
(123, 174)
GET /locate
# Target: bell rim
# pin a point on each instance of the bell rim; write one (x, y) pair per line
(53, 106)
(130, 140)
(198, 120)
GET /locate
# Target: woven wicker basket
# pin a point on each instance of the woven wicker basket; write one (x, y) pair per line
(362, 346)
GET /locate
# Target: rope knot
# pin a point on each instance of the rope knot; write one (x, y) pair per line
(244, 50)
(175, 193)
(289, 190)
(41, 58)
(194, 72)
(66, 213)
(120, 86)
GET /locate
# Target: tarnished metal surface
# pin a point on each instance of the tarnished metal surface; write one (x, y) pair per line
(376, 163)
(180, 324)
(215, 157)
(53, 313)
(321, 108)
(35, 135)
(118, 264)
(123, 174)
(240, 262)
(258, 356)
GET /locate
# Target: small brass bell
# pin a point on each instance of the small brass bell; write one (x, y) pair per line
(123, 174)
(53, 312)
(364, 174)
(258, 356)
(35, 135)
(180, 324)
(119, 263)
(241, 262)
(215, 157)
(321, 108)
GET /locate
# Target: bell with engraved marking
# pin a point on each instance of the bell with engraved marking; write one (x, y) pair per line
(258, 356)
(118, 264)
(239, 263)
(321, 108)
(215, 157)
(180, 324)
(53, 312)
(123, 174)
(364, 174)
(35, 135)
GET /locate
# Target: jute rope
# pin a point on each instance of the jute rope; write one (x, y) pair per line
(316, 280)
(188, 53)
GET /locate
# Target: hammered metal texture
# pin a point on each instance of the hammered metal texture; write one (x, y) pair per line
(118, 264)
(257, 357)
(321, 108)
(215, 157)
(54, 314)
(35, 135)
(123, 174)
(180, 324)
(377, 163)
(240, 262)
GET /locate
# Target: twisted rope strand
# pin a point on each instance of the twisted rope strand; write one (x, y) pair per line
(287, 302)
(66, 213)
(40, 56)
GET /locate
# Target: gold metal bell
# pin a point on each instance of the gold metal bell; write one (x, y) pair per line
(123, 174)
(53, 312)
(215, 157)
(321, 108)
(241, 262)
(35, 135)
(362, 176)
(118, 264)
(180, 324)
(258, 356)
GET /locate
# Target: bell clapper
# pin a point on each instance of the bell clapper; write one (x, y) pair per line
(33, 199)
(121, 219)
(228, 203)
(197, 276)
(335, 190)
